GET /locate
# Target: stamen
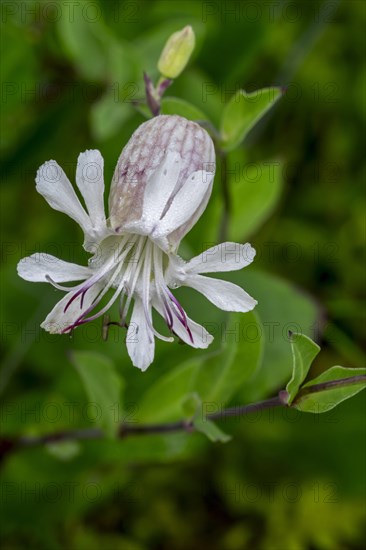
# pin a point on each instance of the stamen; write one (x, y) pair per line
(121, 303)
(146, 275)
(150, 263)
(150, 248)
(81, 291)
(62, 287)
(180, 314)
(82, 298)
(167, 313)
(146, 284)
(163, 292)
(128, 274)
(159, 286)
(81, 319)
(111, 262)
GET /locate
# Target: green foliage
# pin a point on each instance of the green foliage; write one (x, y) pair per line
(281, 308)
(314, 396)
(178, 106)
(224, 374)
(190, 405)
(242, 112)
(304, 351)
(103, 387)
(194, 410)
(18, 67)
(108, 115)
(322, 401)
(66, 86)
(210, 430)
(214, 377)
(96, 53)
(254, 194)
(164, 399)
(64, 450)
(83, 41)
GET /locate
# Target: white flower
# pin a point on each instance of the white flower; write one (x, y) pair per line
(160, 187)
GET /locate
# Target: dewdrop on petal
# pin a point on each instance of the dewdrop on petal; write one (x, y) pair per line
(176, 52)
(161, 186)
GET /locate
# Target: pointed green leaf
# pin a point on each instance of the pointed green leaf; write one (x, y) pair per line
(177, 106)
(242, 112)
(315, 399)
(209, 428)
(304, 351)
(102, 385)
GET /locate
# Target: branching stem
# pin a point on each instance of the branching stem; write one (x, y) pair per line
(8, 445)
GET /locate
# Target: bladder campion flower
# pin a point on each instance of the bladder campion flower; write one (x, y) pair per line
(161, 186)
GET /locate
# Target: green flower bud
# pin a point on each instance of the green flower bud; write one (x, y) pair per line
(176, 52)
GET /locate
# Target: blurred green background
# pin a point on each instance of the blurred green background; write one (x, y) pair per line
(286, 481)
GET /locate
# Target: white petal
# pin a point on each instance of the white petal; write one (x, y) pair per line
(222, 294)
(58, 319)
(90, 181)
(140, 340)
(160, 186)
(52, 183)
(201, 338)
(223, 257)
(36, 267)
(185, 202)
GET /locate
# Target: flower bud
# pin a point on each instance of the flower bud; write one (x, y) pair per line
(164, 155)
(176, 52)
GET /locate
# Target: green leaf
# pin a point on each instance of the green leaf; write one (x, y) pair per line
(108, 115)
(304, 351)
(193, 409)
(96, 53)
(102, 385)
(326, 399)
(64, 450)
(214, 377)
(83, 43)
(222, 374)
(254, 194)
(177, 106)
(20, 67)
(281, 308)
(242, 112)
(191, 404)
(209, 429)
(164, 400)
